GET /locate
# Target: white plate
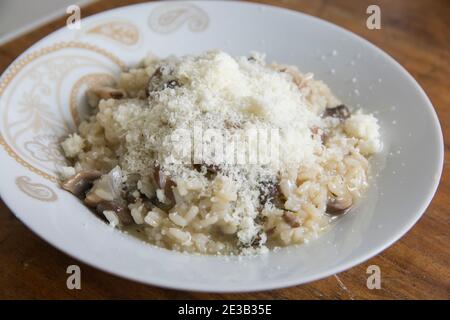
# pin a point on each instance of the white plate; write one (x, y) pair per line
(42, 96)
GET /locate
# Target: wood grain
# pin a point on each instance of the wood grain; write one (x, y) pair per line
(416, 33)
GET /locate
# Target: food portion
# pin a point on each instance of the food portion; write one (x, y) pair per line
(219, 155)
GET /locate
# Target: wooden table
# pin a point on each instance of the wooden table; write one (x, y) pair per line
(416, 33)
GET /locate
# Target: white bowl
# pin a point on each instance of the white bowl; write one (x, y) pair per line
(42, 96)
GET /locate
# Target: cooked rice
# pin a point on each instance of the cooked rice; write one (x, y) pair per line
(217, 208)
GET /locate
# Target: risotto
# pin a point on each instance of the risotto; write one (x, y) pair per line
(219, 155)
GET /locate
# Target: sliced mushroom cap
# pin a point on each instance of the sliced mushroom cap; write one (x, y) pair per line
(161, 79)
(168, 190)
(291, 219)
(159, 177)
(339, 205)
(259, 239)
(92, 200)
(155, 80)
(123, 213)
(269, 191)
(104, 92)
(165, 183)
(271, 231)
(81, 182)
(323, 134)
(108, 188)
(96, 93)
(172, 84)
(210, 170)
(341, 112)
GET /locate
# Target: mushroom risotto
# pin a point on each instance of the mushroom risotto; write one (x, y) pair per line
(219, 155)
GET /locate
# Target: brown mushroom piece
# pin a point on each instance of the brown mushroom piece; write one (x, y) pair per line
(210, 170)
(123, 213)
(291, 219)
(107, 188)
(154, 81)
(258, 240)
(270, 231)
(161, 79)
(323, 134)
(81, 182)
(339, 205)
(165, 183)
(172, 84)
(341, 112)
(96, 93)
(269, 191)
(168, 190)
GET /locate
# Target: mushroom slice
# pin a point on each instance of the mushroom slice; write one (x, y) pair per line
(154, 81)
(339, 205)
(161, 79)
(168, 190)
(107, 92)
(96, 93)
(321, 132)
(159, 177)
(210, 170)
(108, 187)
(270, 231)
(291, 219)
(341, 112)
(165, 183)
(81, 182)
(269, 191)
(259, 239)
(172, 84)
(123, 213)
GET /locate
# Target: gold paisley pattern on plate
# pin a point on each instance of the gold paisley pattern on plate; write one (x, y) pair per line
(36, 190)
(121, 31)
(19, 160)
(37, 125)
(169, 17)
(87, 82)
(45, 148)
